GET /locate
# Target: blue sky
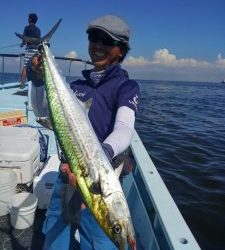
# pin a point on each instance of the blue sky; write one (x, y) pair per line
(170, 39)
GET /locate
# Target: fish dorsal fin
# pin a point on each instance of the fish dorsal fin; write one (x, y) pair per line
(86, 105)
(119, 169)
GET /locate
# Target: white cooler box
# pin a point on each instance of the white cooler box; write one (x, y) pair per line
(43, 184)
(20, 152)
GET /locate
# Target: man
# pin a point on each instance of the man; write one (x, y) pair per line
(112, 115)
(30, 30)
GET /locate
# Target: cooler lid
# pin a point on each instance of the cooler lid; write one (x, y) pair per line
(19, 132)
(18, 150)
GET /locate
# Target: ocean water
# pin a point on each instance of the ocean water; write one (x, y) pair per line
(182, 125)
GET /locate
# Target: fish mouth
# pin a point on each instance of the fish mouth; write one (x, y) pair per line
(122, 245)
(132, 243)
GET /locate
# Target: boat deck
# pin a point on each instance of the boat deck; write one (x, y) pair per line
(158, 222)
(13, 98)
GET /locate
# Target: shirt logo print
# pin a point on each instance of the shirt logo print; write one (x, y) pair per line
(80, 94)
(134, 101)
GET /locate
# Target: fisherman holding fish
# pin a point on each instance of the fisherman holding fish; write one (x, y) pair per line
(114, 103)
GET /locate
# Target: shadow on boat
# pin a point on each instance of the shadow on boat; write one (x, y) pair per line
(31, 238)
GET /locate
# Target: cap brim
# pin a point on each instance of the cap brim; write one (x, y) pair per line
(116, 38)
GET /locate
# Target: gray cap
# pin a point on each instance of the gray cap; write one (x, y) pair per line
(113, 26)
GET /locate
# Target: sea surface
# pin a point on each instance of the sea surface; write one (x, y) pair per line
(182, 125)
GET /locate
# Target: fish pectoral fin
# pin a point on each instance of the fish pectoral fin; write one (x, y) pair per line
(95, 188)
(119, 169)
(45, 122)
(86, 105)
(28, 39)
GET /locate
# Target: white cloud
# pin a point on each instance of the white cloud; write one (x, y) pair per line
(163, 57)
(140, 61)
(161, 65)
(220, 61)
(71, 54)
(166, 65)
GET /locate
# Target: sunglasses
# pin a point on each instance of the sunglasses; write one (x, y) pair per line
(104, 39)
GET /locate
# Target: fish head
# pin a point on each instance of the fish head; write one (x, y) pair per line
(121, 228)
(123, 234)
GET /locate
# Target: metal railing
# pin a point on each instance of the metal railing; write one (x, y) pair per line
(3, 56)
(71, 60)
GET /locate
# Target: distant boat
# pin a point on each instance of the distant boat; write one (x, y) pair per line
(223, 81)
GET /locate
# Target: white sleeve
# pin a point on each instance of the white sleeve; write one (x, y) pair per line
(123, 130)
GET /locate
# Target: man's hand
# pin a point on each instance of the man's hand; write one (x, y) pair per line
(36, 65)
(67, 172)
(65, 169)
(34, 70)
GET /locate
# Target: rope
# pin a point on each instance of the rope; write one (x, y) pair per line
(12, 45)
(8, 239)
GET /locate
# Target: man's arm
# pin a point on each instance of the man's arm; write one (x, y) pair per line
(120, 138)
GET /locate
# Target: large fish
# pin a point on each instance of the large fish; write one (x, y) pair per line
(97, 181)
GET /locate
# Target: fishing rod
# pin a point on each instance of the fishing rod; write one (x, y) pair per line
(12, 45)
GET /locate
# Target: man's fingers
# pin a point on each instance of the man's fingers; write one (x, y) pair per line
(65, 168)
(72, 180)
(39, 60)
(71, 177)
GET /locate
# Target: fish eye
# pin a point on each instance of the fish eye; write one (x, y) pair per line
(116, 229)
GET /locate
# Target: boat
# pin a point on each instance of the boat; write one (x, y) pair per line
(223, 81)
(157, 220)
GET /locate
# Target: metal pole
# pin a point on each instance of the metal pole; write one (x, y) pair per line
(1, 79)
(69, 67)
(3, 65)
(20, 66)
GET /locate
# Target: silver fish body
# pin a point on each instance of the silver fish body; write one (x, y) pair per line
(96, 179)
